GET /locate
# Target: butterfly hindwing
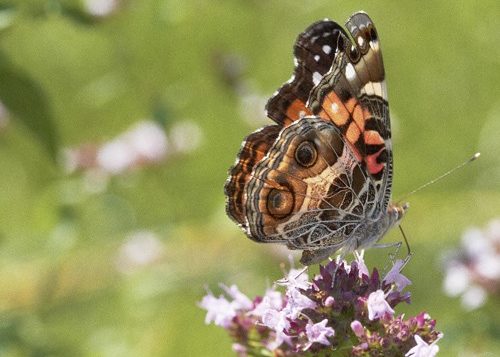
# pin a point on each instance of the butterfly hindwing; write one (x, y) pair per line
(253, 149)
(312, 204)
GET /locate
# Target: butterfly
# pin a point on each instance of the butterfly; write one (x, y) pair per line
(320, 179)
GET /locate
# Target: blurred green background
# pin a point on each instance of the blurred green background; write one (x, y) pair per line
(107, 261)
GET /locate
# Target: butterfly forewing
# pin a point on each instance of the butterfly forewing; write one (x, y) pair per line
(314, 51)
(352, 95)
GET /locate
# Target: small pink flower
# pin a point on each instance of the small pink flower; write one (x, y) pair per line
(357, 328)
(277, 321)
(329, 301)
(240, 300)
(219, 310)
(271, 300)
(423, 349)
(394, 276)
(378, 306)
(318, 333)
(297, 302)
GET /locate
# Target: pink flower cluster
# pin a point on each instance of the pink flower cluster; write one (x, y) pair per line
(343, 308)
(146, 143)
(473, 270)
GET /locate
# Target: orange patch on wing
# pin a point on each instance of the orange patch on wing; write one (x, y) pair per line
(373, 137)
(351, 104)
(358, 117)
(297, 110)
(352, 134)
(371, 163)
(334, 109)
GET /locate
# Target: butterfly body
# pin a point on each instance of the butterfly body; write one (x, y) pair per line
(320, 179)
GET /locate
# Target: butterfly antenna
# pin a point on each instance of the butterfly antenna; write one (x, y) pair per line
(474, 157)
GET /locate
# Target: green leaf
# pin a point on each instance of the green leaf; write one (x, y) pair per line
(27, 102)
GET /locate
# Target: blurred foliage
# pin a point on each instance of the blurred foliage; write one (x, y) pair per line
(69, 77)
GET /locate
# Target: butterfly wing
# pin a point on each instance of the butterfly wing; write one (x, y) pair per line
(353, 96)
(253, 149)
(309, 190)
(336, 104)
(314, 51)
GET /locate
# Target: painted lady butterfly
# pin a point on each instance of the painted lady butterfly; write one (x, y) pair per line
(320, 179)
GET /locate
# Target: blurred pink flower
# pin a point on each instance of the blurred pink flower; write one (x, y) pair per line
(101, 8)
(185, 136)
(272, 299)
(140, 249)
(145, 142)
(219, 310)
(240, 300)
(473, 270)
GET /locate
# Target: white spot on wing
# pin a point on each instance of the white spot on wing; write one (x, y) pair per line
(316, 78)
(373, 88)
(374, 45)
(335, 107)
(350, 73)
(361, 41)
(327, 49)
(316, 58)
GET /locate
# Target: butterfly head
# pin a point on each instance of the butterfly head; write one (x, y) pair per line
(397, 212)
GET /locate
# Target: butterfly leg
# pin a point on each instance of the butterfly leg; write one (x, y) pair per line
(285, 281)
(392, 255)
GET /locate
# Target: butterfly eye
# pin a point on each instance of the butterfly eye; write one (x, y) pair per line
(306, 154)
(280, 203)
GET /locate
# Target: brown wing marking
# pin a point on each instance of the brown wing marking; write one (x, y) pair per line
(253, 149)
